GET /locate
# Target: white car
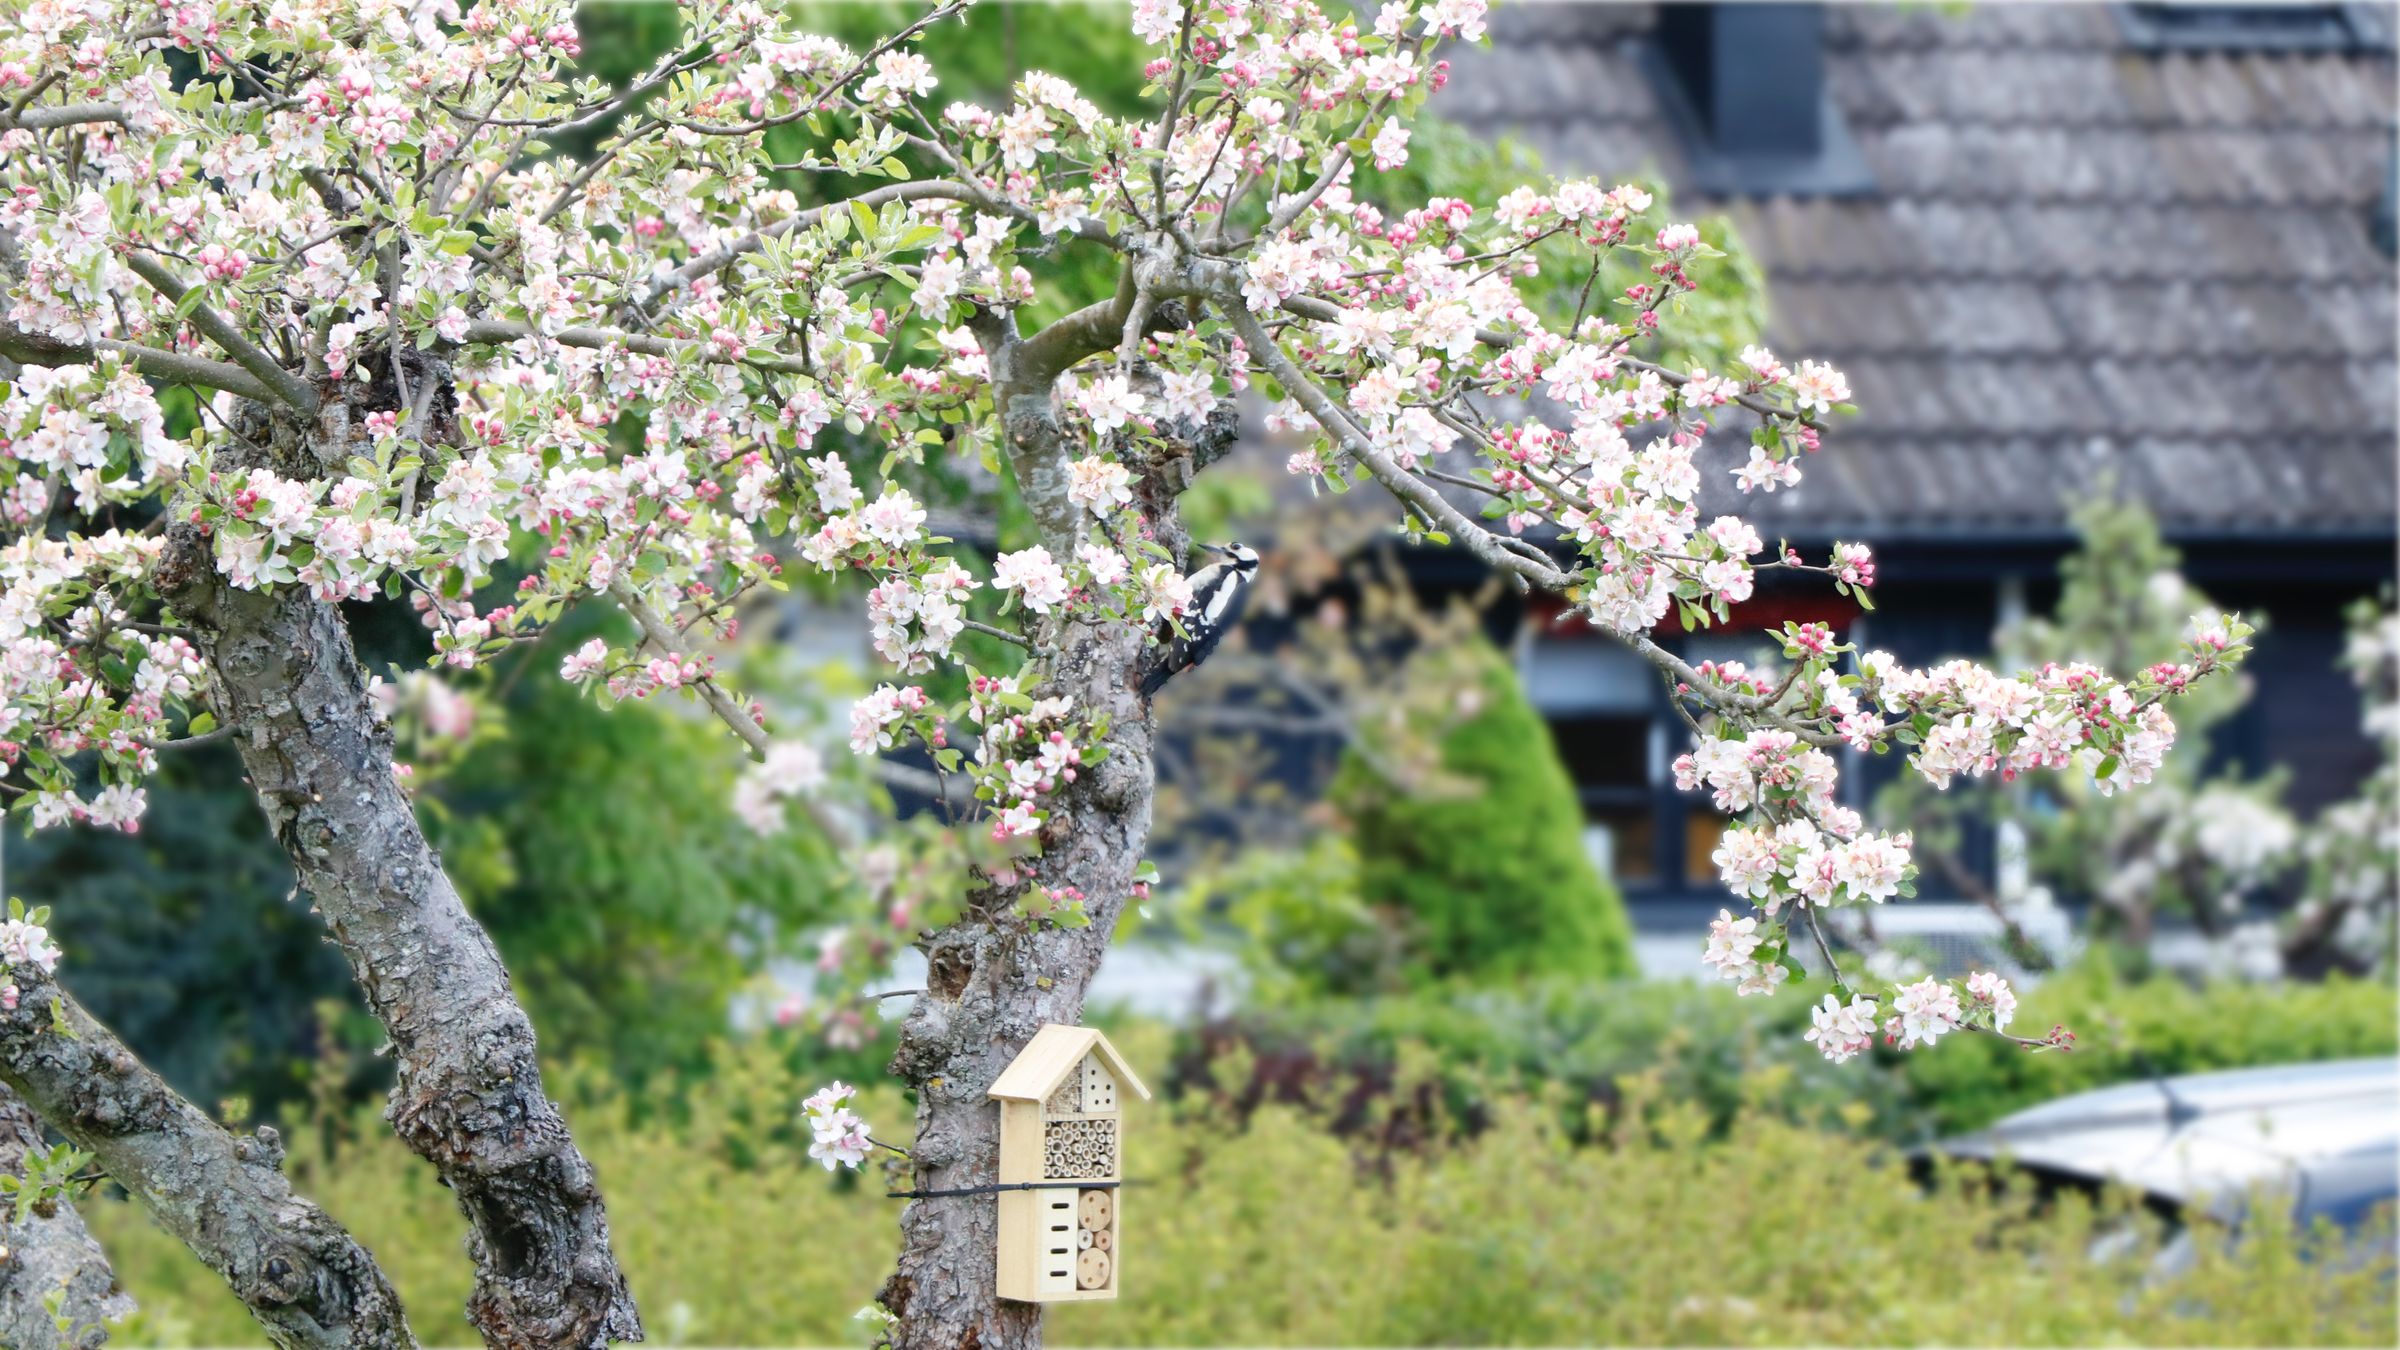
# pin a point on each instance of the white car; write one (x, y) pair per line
(2325, 1137)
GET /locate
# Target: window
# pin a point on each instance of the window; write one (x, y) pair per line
(1617, 736)
(2166, 27)
(1605, 751)
(1623, 844)
(1702, 829)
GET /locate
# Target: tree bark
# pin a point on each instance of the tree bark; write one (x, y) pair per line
(305, 1279)
(46, 1253)
(468, 1096)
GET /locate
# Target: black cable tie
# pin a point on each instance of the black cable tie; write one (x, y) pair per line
(999, 1186)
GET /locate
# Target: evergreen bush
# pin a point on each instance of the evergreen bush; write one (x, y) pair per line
(1486, 868)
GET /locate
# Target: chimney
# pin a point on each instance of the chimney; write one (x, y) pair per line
(1753, 75)
(1745, 86)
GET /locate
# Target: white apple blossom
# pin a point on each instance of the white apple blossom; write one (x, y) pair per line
(1922, 1013)
(1842, 1031)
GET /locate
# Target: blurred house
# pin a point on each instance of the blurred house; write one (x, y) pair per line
(2050, 245)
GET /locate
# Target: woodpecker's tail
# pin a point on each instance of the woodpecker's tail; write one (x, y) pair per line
(1156, 677)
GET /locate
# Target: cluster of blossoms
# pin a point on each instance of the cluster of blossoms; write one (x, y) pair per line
(1921, 1013)
(837, 1137)
(77, 674)
(95, 432)
(791, 771)
(79, 678)
(1734, 952)
(883, 719)
(1028, 749)
(24, 941)
(1797, 846)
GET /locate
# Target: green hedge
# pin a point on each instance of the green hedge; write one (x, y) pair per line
(1707, 1047)
(1269, 1233)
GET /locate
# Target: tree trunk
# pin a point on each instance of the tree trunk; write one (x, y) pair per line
(47, 1253)
(305, 1279)
(993, 979)
(991, 982)
(469, 1095)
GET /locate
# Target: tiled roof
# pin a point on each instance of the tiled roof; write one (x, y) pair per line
(2080, 257)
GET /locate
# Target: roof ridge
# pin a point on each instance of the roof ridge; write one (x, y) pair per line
(1839, 436)
(1943, 356)
(1957, 39)
(2120, 354)
(1864, 119)
(2162, 201)
(1780, 272)
(1872, 120)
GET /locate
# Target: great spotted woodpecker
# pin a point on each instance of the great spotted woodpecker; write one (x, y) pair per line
(1219, 591)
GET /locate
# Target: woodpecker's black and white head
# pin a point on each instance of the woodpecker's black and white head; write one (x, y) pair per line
(1240, 557)
(1219, 591)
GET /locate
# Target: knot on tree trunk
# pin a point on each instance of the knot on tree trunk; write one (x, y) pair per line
(263, 1148)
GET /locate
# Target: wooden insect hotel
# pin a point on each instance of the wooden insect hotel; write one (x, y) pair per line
(1062, 1143)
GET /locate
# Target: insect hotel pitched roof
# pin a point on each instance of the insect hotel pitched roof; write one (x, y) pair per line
(1052, 1054)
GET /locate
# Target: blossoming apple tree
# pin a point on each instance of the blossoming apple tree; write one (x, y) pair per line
(436, 362)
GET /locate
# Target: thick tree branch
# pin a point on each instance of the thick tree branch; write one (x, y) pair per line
(498, 331)
(35, 349)
(1409, 488)
(305, 1279)
(49, 1254)
(1089, 331)
(289, 389)
(1491, 549)
(468, 1095)
(63, 115)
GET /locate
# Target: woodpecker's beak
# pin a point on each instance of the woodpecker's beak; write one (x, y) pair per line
(1218, 549)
